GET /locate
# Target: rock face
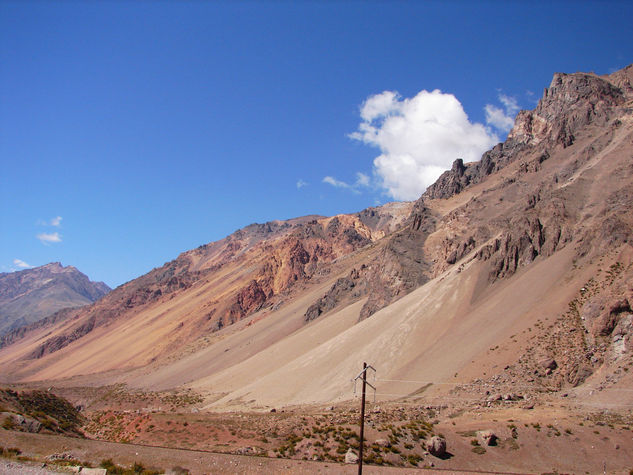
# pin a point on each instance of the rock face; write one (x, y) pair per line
(33, 294)
(571, 102)
(402, 264)
(347, 288)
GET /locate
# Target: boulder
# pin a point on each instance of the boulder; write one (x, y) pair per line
(548, 363)
(19, 419)
(383, 443)
(436, 446)
(486, 438)
(31, 425)
(578, 374)
(351, 457)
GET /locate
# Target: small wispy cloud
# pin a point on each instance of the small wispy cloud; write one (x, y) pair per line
(47, 238)
(330, 180)
(362, 180)
(56, 221)
(21, 264)
(301, 184)
(502, 118)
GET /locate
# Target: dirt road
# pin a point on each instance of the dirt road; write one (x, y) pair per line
(38, 446)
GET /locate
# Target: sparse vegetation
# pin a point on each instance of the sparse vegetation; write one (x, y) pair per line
(136, 469)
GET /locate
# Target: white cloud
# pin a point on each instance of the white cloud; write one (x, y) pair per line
(502, 119)
(301, 184)
(419, 138)
(56, 221)
(336, 183)
(496, 117)
(46, 238)
(21, 264)
(362, 180)
(510, 103)
(378, 105)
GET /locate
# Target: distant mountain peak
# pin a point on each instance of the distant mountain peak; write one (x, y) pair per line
(29, 295)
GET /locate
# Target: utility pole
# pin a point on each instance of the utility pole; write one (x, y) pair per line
(363, 376)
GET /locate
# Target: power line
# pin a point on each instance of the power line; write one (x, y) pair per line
(474, 385)
(471, 399)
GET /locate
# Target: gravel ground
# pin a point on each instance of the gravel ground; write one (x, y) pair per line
(39, 446)
(12, 467)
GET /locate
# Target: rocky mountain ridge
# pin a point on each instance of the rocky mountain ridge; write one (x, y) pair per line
(257, 266)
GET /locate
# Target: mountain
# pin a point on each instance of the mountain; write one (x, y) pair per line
(515, 271)
(30, 295)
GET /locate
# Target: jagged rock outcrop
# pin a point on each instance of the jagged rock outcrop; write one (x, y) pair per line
(249, 299)
(450, 182)
(347, 288)
(571, 102)
(461, 175)
(60, 341)
(402, 265)
(525, 239)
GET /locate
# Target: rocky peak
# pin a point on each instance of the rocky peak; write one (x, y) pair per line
(53, 266)
(569, 103)
(450, 182)
(623, 79)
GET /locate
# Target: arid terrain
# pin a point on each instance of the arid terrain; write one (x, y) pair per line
(497, 310)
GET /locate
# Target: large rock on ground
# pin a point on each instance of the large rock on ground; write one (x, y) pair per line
(436, 446)
(351, 457)
(486, 438)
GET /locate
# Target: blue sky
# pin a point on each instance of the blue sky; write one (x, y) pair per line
(133, 131)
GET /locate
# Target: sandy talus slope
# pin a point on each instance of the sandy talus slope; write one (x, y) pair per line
(427, 336)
